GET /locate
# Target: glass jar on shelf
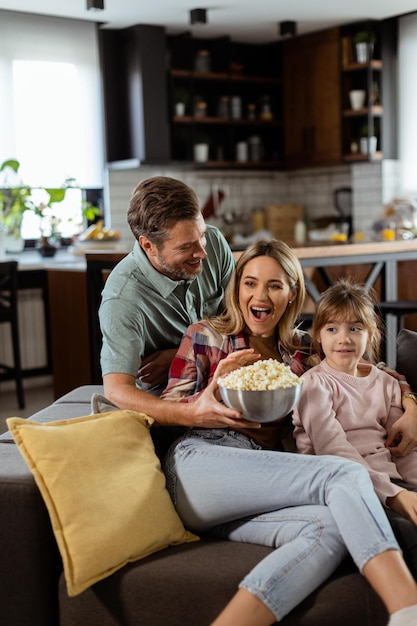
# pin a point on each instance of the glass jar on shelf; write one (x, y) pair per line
(265, 109)
(255, 148)
(202, 61)
(223, 107)
(236, 107)
(200, 108)
(251, 111)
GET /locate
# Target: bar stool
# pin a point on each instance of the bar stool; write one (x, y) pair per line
(400, 309)
(8, 314)
(99, 266)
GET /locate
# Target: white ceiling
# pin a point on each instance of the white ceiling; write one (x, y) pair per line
(251, 21)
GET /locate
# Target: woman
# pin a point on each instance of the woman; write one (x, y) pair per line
(235, 485)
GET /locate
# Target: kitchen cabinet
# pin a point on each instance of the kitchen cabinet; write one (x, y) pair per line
(368, 132)
(311, 79)
(68, 320)
(231, 99)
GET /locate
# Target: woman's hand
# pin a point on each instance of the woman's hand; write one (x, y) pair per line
(402, 437)
(234, 361)
(405, 503)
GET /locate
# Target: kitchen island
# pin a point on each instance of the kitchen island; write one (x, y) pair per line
(390, 267)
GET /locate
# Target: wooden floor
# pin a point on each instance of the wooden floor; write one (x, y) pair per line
(36, 398)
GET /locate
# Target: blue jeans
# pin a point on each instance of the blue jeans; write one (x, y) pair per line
(309, 508)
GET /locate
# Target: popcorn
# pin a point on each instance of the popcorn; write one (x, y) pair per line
(261, 376)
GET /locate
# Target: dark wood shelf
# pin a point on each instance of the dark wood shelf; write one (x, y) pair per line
(224, 76)
(359, 156)
(238, 164)
(189, 119)
(374, 64)
(376, 110)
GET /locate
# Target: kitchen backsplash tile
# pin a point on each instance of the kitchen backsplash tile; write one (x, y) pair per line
(247, 191)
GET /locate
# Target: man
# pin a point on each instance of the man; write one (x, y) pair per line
(175, 275)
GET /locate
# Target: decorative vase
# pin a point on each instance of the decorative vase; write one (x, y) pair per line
(46, 247)
(180, 109)
(357, 99)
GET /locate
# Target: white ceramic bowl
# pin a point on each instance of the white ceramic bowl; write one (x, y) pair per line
(262, 406)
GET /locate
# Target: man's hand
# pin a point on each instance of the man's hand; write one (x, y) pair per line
(209, 413)
(402, 437)
(405, 503)
(154, 368)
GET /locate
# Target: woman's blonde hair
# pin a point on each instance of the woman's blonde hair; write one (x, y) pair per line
(231, 322)
(348, 301)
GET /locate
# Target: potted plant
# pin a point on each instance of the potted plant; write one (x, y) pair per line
(180, 100)
(17, 197)
(364, 41)
(368, 144)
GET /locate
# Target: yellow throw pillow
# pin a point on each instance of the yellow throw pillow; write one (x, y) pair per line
(104, 490)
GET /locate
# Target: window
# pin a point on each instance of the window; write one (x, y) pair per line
(51, 107)
(407, 61)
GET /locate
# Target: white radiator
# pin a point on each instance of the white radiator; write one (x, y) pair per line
(31, 311)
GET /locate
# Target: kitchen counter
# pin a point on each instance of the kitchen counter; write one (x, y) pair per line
(64, 259)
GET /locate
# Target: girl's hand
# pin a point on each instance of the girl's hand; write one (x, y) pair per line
(405, 503)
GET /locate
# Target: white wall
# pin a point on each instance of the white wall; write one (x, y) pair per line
(407, 103)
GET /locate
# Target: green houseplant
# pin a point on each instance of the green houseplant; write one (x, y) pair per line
(16, 198)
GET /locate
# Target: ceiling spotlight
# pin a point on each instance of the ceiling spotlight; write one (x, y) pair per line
(198, 16)
(287, 29)
(95, 5)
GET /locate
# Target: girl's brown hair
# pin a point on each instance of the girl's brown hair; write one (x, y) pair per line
(232, 321)
(348, 301)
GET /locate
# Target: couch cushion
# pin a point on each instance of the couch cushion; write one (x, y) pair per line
(104, 490)
(191, 584)
(407, 356)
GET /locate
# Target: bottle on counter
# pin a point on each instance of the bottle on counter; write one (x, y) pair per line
(258, 220)
(300, 231)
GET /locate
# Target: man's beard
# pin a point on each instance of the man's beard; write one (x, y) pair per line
(177, 272)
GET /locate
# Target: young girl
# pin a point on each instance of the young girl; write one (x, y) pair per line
(347, 405)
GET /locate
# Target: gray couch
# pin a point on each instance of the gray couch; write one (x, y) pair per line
(186, 585)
